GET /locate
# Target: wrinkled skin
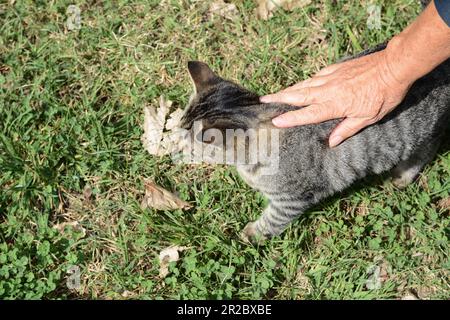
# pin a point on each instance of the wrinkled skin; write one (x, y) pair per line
(364, 90)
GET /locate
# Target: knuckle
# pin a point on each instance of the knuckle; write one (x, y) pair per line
(376, 118)
(278, 97)
(323, 111)
(304, 94)
(336, 112)
(304, 115)
(347, 128)
(297, 116)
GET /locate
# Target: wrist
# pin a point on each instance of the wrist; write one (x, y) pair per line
(397, 65)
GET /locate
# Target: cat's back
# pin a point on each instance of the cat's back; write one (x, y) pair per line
(422, 118)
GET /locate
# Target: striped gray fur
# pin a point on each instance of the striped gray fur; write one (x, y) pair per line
(309, 171)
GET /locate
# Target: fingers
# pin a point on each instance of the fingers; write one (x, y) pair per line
(302, 93)
(307, 115)
(299, 98)
(328, 70)
(311, 82)
(347, 128)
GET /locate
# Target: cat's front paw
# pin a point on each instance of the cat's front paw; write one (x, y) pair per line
(252, 235)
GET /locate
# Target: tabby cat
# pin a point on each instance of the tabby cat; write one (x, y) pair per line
(308, 170)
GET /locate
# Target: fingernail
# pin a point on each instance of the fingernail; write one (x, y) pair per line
(264, 99)
(278, 121)
(335, 140)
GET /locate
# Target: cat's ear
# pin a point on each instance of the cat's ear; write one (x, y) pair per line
(202, 76)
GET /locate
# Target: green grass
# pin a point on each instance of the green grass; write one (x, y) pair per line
(71, 119)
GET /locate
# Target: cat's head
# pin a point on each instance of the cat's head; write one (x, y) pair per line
(222, 104)
(218, 103)
(225, 115)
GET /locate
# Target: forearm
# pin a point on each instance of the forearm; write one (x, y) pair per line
(419, 48)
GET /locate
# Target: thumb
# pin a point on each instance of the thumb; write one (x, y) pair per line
(347, 128)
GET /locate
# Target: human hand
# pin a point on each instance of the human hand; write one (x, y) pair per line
(361, 91)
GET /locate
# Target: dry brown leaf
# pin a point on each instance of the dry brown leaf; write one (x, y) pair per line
(409, 295)
(290, 5)
(127, 294)
(444, 204)
(425, 292)
(266, 8)
(173, 141)
(302, 282)
(174, 119)
(74, 224)
(159, 198)
(378, 274)
(166, 256)
(155, 140)
(87, 193)
(226, 10)
(154, 120)
(385, 270)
